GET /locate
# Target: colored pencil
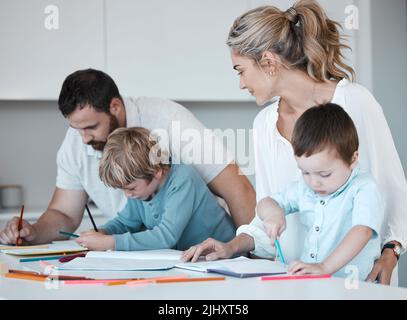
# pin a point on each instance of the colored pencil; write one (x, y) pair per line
(26, 276)
(95, 281)
(60, 258)
(62, 277)
(190, 280)
(91, 218)
(49, 276)
(155, 279)
(20, 224)
(280, 253)
(112, 282)
(24, 272)
(40, 258)
(72, 235)
(65, 258)
(302, 277)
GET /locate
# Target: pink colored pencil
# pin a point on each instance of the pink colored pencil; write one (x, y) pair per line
(303, 277)
(95, 281)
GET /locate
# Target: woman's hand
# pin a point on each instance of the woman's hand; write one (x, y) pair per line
(210, 248)
(383, 268)
(97, 241)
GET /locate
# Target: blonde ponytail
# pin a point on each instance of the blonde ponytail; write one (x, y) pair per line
(303, 36)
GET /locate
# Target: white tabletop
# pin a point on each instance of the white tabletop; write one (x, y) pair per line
(229, 289)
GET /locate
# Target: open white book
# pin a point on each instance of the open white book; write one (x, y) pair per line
(161, 254)
(167, 259)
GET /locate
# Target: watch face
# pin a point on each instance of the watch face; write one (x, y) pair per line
(397, 250)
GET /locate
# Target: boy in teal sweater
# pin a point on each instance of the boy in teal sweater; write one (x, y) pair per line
(169, 205)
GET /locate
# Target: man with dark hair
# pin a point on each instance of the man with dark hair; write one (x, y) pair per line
(93, 107)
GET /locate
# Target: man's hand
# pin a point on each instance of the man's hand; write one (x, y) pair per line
(383, 268)
(210, 248)
(97, 241)
(10, 233)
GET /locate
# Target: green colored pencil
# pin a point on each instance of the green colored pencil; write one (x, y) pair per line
(72, 235)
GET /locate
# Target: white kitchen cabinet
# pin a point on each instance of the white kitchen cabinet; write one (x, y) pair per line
(35, 57)
(173, 49)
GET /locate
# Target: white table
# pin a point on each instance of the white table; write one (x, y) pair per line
(230, 289)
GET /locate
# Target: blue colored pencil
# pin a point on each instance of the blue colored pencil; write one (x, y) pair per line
(280, 253)
(41, 258)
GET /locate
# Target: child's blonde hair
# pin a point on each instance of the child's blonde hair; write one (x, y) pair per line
(303, 36)
(129, 154)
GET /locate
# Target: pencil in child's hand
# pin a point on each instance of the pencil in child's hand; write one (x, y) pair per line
(73, 235)
(280, 253)
(20, 224)
(91, 218)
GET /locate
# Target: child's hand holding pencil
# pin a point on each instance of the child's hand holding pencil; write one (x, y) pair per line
(98, 241)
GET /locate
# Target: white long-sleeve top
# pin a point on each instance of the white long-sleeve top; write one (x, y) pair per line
(276, 168)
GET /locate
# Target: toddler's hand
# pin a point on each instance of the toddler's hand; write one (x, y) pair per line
(300, 268)
(274, 227)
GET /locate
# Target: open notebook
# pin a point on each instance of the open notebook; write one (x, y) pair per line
(56, 247)
(167, 259)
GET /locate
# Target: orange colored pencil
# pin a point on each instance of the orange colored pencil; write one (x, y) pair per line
(20, 224)
(26, 276)
(155, 279)
(117, 283)
(190, 280)
(33, 273)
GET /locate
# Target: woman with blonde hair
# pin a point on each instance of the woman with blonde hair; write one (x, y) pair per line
(295, 56)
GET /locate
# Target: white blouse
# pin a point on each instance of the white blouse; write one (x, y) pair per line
(276, 166)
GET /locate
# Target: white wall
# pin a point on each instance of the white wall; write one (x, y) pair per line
(389, 61)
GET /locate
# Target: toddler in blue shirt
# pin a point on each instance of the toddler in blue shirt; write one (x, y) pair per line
(169, 206)
(339, 205)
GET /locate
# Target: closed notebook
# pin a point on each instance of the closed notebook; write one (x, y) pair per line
(240, 267)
